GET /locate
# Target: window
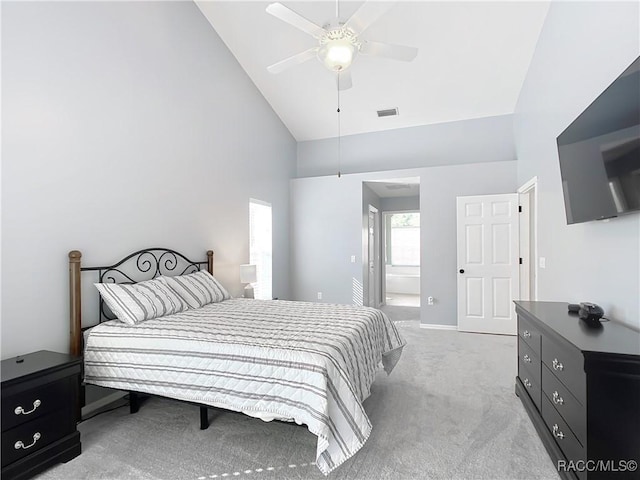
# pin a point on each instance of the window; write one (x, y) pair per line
(402, 238)
(260, 244)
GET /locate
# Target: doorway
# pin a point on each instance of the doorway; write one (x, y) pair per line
(384, 257)
(402, 258)
(528, 239)
(373, 256)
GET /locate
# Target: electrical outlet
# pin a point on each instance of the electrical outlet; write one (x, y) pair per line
(429, 300)
(353, 259)
(319, 295)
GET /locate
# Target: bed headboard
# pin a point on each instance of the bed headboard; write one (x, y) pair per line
(136, 267)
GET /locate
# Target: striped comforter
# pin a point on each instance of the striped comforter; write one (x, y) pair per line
(307, 362)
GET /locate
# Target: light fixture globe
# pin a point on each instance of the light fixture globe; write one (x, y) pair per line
(338, 48)
(337, 55)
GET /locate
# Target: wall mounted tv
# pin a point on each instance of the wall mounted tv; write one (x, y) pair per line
(600, 153)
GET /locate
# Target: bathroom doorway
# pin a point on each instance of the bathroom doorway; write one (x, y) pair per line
(402, 258)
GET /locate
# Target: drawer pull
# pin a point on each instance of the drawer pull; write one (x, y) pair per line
(557, 365)
(527, 358)
(557, 399)
(18, 445)
(21, 411)
(527, 383)
(556, 432)
(526, 334)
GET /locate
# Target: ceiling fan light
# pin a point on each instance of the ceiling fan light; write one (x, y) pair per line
(337, 55)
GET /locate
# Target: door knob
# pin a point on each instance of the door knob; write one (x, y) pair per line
(462, 270)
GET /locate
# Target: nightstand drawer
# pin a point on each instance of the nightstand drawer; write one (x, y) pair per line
(528, 359)
(565, 404)
(529, 333)
(30, 404)
(32, 436)
(563, 435)
(567, 365)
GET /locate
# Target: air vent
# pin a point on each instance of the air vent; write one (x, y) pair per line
(390, 112)
(397, 186)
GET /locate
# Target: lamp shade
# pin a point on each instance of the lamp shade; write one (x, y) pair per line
(248, 274)
(337, 55)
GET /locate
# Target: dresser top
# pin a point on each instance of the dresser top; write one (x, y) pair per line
(36, 362)
(613, 337)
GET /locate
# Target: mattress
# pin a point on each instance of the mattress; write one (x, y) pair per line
(311, 363)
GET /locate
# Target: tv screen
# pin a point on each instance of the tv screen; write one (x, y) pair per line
(600, 153)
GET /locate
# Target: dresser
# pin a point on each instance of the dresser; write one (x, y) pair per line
(40, 410)
(581, 389)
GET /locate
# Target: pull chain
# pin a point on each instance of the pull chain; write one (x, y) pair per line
(339, 142)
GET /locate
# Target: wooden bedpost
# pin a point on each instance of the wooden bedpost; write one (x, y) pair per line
(210, 261)
(75, 306)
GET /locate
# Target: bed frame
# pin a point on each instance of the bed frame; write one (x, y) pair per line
(141, 265)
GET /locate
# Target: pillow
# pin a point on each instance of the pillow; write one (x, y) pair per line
(141, 301)
(197, 289)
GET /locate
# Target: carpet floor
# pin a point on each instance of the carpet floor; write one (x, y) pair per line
(448, 411)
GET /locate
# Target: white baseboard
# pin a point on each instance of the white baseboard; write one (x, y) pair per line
(434, 326)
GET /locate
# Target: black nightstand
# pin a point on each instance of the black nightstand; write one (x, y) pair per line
(40, 411)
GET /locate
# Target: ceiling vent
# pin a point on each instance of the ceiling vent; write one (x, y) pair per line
(397, 186)
(390, 112)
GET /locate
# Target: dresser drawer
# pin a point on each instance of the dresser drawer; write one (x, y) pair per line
(562, 434)
(565, 404)
(528, 359)
(567, 364)
(532, 388)
(35, 434)
(34, 403)
(530, 334)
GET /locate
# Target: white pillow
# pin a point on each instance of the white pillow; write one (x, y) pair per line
(197, 289)
(140, 301)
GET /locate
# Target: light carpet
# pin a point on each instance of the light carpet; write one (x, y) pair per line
(448, 411)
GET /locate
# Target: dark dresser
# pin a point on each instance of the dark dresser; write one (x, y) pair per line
(40, 411)
(581, 389)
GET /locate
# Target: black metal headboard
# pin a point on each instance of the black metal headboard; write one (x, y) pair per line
(139, 266)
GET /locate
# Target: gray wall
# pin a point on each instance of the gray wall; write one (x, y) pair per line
(488, 139)
(126, 125)
(326, 220)
(400, 204)
(582, 48)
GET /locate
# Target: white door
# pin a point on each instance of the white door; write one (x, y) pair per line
(488, 263)
(374, 258)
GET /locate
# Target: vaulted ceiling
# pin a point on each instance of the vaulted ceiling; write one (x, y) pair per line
(472, 61)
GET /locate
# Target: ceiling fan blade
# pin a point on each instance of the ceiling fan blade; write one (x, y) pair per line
(292, 61)
(287, 15)
(343, 79)
(395, 52)
(368, 13)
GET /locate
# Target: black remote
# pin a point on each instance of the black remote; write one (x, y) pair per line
(574, 307)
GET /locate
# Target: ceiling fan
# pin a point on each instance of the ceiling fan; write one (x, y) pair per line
(339, 42)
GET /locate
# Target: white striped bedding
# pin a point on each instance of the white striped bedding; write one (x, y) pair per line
(308, 362)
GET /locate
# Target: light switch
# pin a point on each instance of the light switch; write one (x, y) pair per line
(542, 262)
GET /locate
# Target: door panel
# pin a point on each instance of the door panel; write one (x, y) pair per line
(475, 297)
(487, 263)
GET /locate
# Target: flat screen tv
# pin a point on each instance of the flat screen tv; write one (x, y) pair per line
(600, 153)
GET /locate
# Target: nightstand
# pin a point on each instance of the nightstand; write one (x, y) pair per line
(40, 411)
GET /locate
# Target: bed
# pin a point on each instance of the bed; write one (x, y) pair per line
(308, 363)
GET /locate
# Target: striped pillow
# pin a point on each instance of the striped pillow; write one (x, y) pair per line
(197, 289)
(141, 301)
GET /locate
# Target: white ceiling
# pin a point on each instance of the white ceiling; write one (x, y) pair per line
(472, 60)
(405, 187)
